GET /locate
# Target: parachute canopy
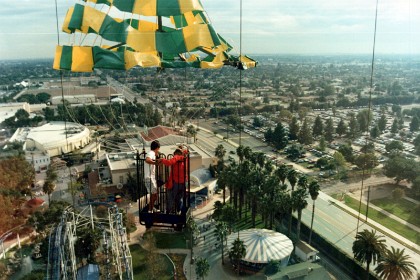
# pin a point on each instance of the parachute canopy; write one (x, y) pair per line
(158, 33)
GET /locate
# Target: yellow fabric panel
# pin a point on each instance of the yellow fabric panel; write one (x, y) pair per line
(189, 5)
(189, 17)
(92, 18)
(67, 20)
(192, 58)
(145, 7)
(145, 26)
(196, 36)
(82, 59)
(141, 59)
(211, 65)
(247, 61)
(57, 57)
(141, 41)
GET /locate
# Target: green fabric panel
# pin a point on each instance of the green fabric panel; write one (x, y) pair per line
(169, 56)
(124, 5)
(172, 42)
(134, 23)
(107, 59)
(66, 57)
(202, 14)
(214, 37)
(168, 7)
(113, 30)
(180, 21)
(224, 41)
(77, 17)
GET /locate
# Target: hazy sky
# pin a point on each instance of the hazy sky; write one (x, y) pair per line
(28, 28)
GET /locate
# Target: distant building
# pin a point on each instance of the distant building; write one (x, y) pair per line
(50, 140)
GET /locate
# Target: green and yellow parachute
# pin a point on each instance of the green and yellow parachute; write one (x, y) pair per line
(158, 33)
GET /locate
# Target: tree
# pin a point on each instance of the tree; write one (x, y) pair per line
(341, 128)
(294, 129)
(394, 127)
(220, 152)
(347, 151)
(88, 241)
(48, 188)
(299, 202)
(220, 232)
(329, 130)
(237, 252)
(314, 189)
(366, 161)
(353, 130)
(202, 268)
(375, 132)
(192, 132)
(322, 145)
(318, 127)
(401, 168)
(382, 123)
(364, 118)
(368, 247)
(414, 124)
(280, 137)
(395, 265)
(305, 135)
(394, 146)
(194, 231)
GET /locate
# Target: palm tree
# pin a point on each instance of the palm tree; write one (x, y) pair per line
(48, 188)
(368, 247)
(237, 252)
(240, 152)
(281, 173)
(221, 233)
(202, 268)
(193, 228)
(300, 203)
(220, 152)
(314, 192)
(292, 178)
(395, 265)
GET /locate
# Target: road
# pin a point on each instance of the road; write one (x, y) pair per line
(339, 227)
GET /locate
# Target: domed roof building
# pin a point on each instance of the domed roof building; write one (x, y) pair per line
(56, 138)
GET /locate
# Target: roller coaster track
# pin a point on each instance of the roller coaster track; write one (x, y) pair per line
(61, 254)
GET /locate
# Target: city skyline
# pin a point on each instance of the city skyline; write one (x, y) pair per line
(29, 30)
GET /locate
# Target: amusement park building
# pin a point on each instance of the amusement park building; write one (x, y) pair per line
(49, 140)
(57, 138)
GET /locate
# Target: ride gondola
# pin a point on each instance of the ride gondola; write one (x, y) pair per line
(175, 214)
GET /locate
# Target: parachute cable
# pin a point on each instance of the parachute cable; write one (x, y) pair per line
(368, 123)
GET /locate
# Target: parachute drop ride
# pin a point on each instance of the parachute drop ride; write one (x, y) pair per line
(122, 34)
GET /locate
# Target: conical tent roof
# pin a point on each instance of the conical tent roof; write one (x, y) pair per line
(263, 245)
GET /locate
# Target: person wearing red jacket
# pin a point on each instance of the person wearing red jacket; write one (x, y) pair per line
(175, 186)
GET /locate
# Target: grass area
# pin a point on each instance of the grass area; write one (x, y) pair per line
(139, 255)
(246, 223)
(172, 240)
(401, 208)
(384, 220)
